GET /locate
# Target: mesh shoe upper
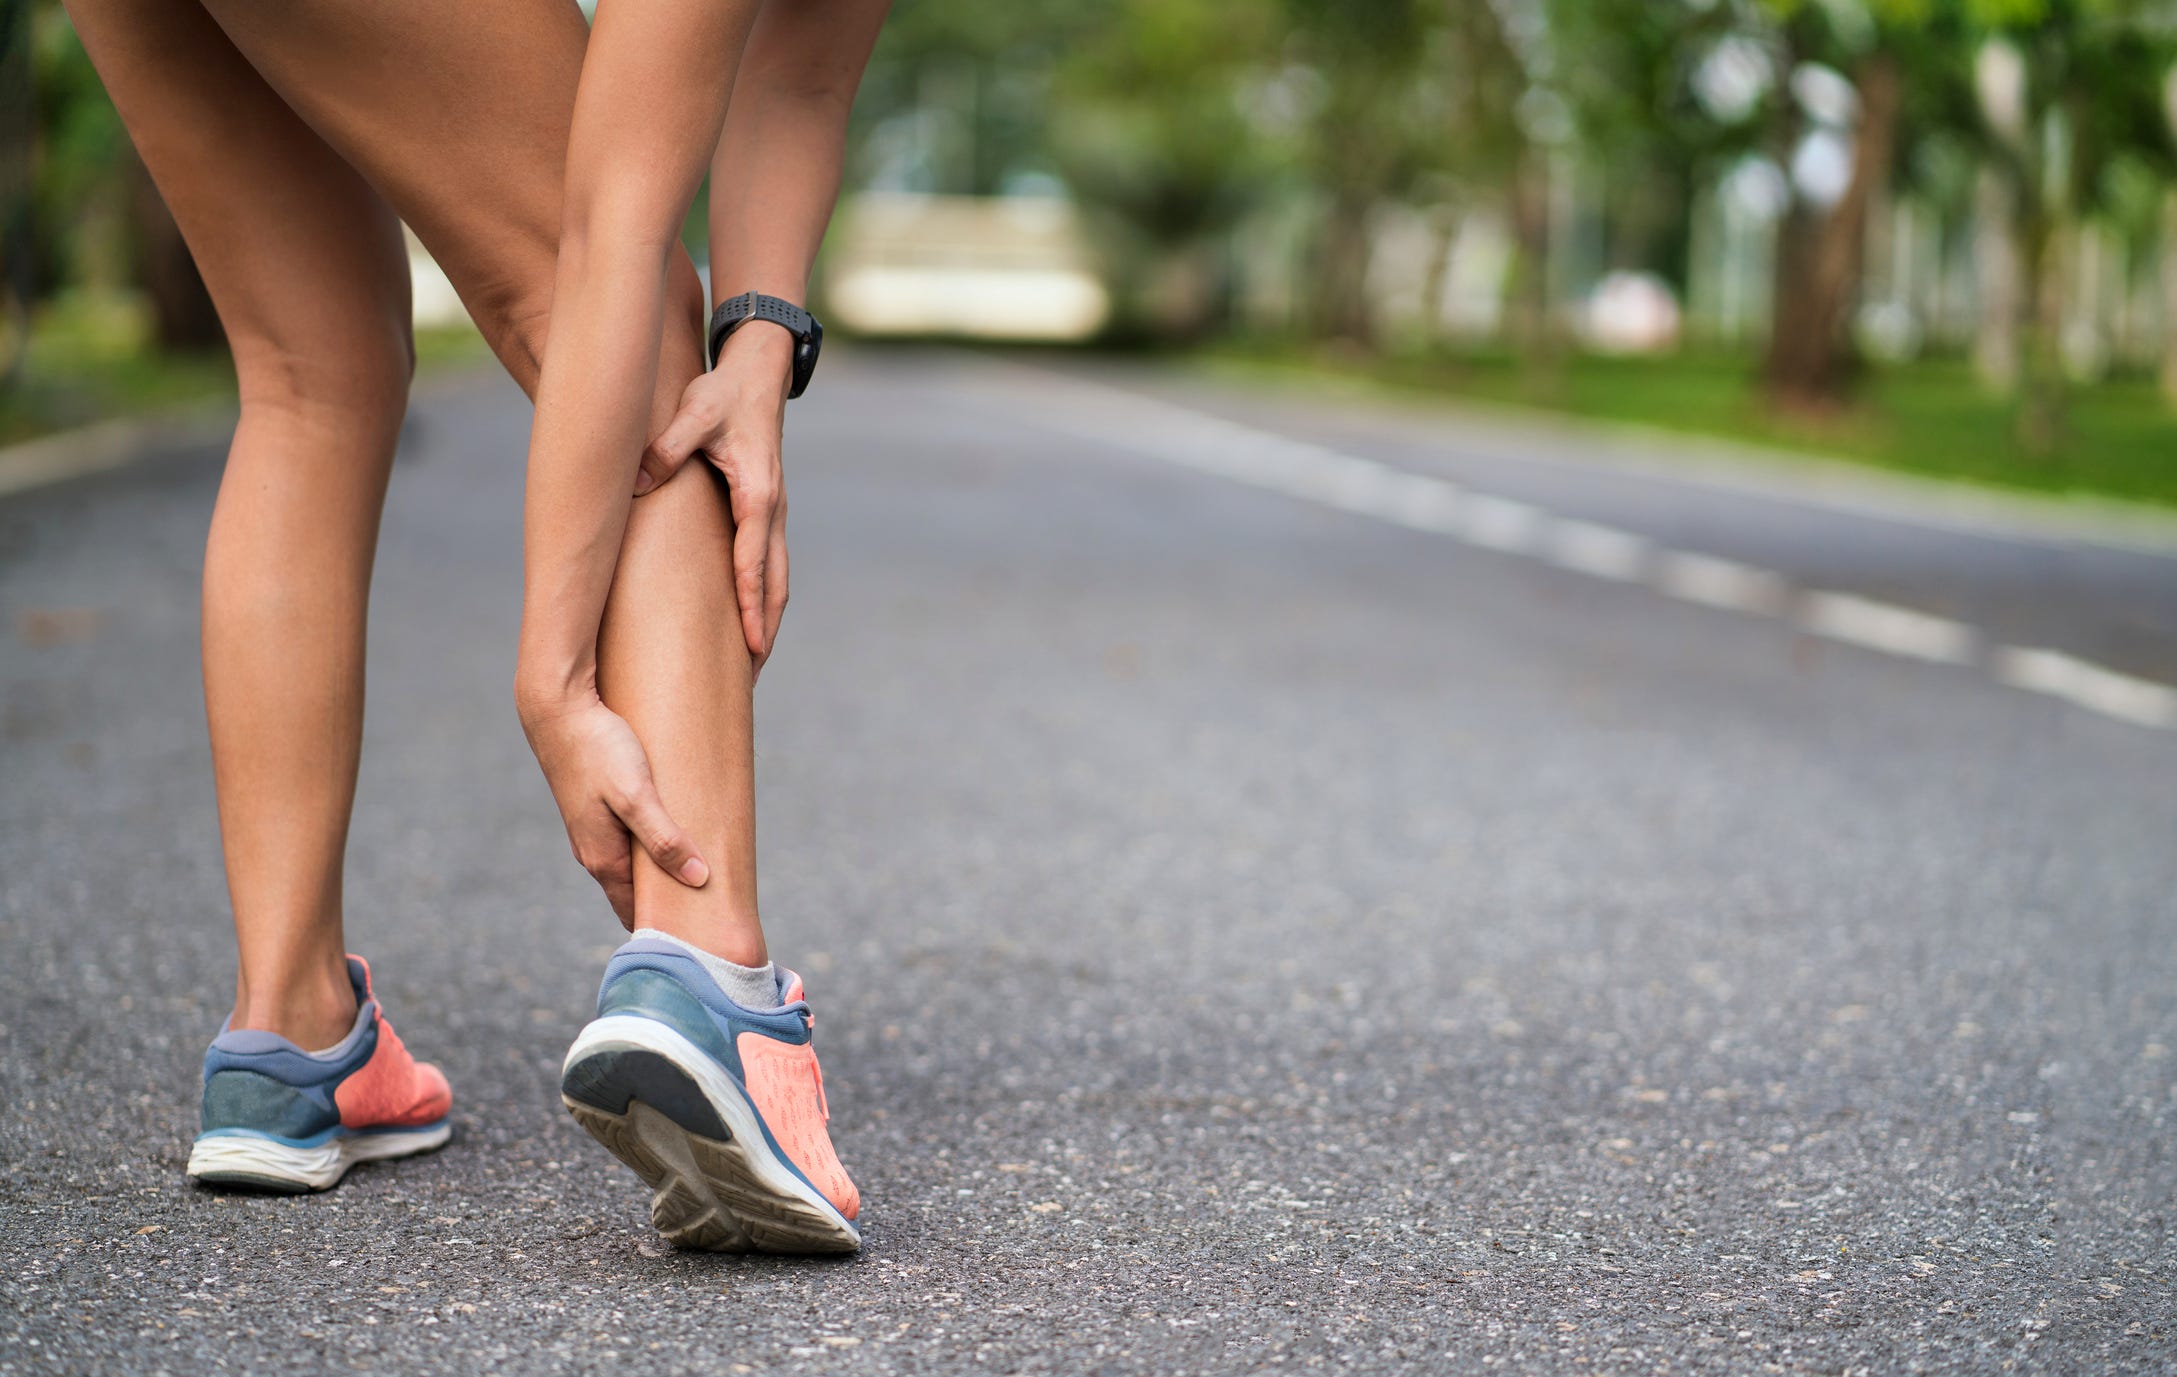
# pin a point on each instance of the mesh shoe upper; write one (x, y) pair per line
(769, 1051)
(259, 1082)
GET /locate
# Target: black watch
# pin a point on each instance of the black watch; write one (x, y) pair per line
(807, 332)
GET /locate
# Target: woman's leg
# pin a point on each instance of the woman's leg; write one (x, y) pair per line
(672, 661)
(306, 266)
(460, 114)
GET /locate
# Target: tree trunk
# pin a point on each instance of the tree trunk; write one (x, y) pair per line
(2041, 392)
(1821, 261)
(1527, 314)
(2168, 283)
(1342, 310)
(1438, 276)
(1997, 274)
(1182, 305)
(18, 128)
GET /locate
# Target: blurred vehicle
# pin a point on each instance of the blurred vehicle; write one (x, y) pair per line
(982, 267)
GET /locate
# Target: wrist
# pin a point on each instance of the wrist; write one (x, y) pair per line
(760, 349)
(545, 689)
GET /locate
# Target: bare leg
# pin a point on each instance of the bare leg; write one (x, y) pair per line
(470, 146)
(672, 661)
(306, 266)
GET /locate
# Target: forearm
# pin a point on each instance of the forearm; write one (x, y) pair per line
(656, 83)
(594, 409)
(776, 174)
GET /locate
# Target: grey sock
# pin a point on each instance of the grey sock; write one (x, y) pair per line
(751, 987)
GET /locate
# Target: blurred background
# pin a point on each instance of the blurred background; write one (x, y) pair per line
(1464, 847)
(1931, 234)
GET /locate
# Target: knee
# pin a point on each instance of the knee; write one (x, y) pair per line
(357, 371)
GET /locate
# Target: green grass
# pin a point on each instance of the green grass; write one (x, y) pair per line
(89, 358)
(1929, 418)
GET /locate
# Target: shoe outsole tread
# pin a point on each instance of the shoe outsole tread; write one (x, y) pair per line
(705, 1193)
(689, 1130)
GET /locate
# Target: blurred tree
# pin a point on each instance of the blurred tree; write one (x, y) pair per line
(97, 222)
(1637, 109)
(17, 282)
(1481, 146)
(2069, 90)
(1661, 96)
(1366, 140)
(957, 96)
(1874, 61)
(1166, 129)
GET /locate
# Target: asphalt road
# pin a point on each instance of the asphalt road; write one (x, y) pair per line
(1250, 935)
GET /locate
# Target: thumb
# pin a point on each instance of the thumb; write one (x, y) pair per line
(659, 835)
(662, 457)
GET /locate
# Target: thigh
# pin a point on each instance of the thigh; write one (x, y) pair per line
(303, 259)
(458, 114)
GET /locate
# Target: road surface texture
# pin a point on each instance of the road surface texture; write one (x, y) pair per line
(1287, 887)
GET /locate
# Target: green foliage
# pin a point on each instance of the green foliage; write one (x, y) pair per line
(1931, 419)
(81, 166)
(1162, 116)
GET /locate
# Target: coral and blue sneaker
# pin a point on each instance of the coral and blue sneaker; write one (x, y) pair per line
(277, 1118)
(718, 1108)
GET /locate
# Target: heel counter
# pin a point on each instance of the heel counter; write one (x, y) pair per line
(653, 994)
(240, 1099)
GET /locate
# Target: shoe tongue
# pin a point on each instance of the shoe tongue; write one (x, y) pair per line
(789, 986)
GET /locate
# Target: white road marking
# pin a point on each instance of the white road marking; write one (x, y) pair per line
(1724, 583)
(1888, 627)
(1603, 551)
(1425, 504)
(2087, 685)
(1369, 487)
(1498, 523)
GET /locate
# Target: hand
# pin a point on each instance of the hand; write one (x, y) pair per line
(735, 416)
(601, 781)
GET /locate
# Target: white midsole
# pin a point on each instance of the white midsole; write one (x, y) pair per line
(629, 1032)
(244, 1154)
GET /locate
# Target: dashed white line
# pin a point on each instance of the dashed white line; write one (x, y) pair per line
(1724, 583)
(1604, 552)
(1369, 487)
(2087, 685)
(1425, 504)
(1498, 523)
(1888, 627)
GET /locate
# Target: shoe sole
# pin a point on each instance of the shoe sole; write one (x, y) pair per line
(252, 1161)
(659, 1104)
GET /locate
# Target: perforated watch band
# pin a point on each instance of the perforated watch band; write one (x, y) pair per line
(808, 333)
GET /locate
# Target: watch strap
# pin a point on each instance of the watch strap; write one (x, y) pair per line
(734, 312)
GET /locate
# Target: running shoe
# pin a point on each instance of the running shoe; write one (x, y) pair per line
(277, 1118)
(718, 1108)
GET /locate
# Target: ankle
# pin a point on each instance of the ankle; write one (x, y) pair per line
(750, 986)
(739, 942)
(314, 1013)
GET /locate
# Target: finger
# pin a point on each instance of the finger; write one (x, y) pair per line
(774, 591)
(751, 553)
(621, 895)
(611, 865)
(644, 813)
(689, 431)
